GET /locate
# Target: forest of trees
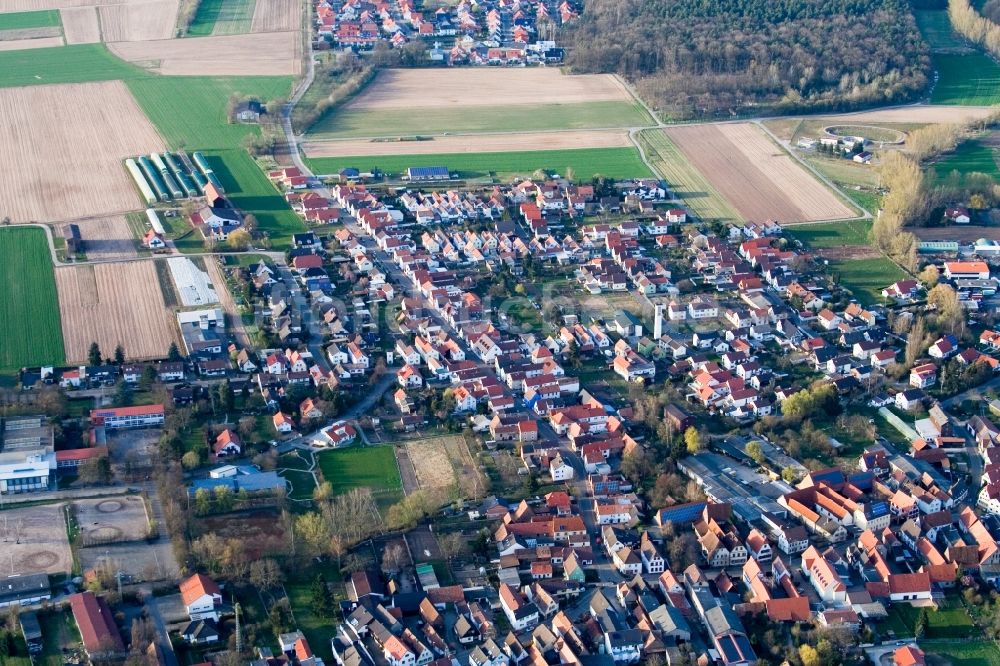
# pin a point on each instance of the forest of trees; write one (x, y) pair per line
(696, 59)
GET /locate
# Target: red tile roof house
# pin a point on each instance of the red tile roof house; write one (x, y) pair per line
(97, 625)
(201, 596)
(228, 443)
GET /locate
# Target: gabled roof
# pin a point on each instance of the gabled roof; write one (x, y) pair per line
(196, 587)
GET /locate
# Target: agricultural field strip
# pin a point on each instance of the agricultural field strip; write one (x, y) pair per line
(730, 157)
(57, 162)
(684, 180)
(112, 304)
(29, 308)
(138, 21)
(276, 15)
(30, 33)
(477, 87)
(80, 25)
(37, 43)
(31, 19)
(193, 284)
(235, 17)
(473, 143)
(108, 238)
(265, 54)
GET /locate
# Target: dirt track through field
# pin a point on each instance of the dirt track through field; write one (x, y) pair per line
(477, 143)
(114, 304)
(266, 54)
(756, 176)
(21, 44)
(915, 114)
(108, 238)
(57, 159)
(138, 21)
(478, 86)
(277, 15)
(80, 25)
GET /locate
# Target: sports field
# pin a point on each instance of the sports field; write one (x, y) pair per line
(584, 163)
(360, 467)
(30, 328)
(23, 20)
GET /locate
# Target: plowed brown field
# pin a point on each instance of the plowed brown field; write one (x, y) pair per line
(56, 163)
(80, 25)
(114, 304)
(277, 15)
(755, 175)
(266, 54)
(139, 21)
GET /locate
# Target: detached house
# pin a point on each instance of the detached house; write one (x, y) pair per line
(202, 597)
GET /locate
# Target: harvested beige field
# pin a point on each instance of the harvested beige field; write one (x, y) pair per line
(473, 143)
(29, 33)
(276, 15)
(40, 43)
(916, 114)
(80, 25)
(266, 54)
(431, 463)
(108, 238)
(57, 163)
(138, 21)
(114, 304)
(35, 5)
(755, 176)
(478, 86)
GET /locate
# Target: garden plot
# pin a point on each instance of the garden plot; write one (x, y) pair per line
(266, 54)
(193, 284)
(112, 304)
(34, 539)
(111, 520)
(57, 162)
(441, 462)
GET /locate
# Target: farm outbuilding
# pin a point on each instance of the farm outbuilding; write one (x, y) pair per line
(428, 173)
(140, 181)
(168, 177)
(181, 173)
(153, 176)
(74, 243)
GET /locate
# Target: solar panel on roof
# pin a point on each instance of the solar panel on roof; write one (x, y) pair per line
(729, 649)
(743, 643)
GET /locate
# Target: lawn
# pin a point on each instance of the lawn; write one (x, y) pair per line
(619, 163)
(318, 630)
(866, 199)
(360, 467)
(30, 325)
(964, 653)
(831, 234)
(344, 122)
(684, 180)
(951, 621)
(48, 18)
(970, 157)
(866, 278)
(250, 191)
(303, 484)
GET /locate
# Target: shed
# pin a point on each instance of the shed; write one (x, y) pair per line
(428, 173)
(74, 243)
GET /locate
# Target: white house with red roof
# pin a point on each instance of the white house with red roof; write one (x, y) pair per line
(201, 596)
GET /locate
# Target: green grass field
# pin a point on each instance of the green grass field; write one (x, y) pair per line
(234, 17)
(360, 467)
(966, 75)
(866, 278)
(684, 180)
(48, 18)
(30, 326)
(204, 19)
(831, 234)
(250, 191)
(343, 122)
(949, 622)
(584, 162)
(970, 157)
(77, 63)
(964, 653)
